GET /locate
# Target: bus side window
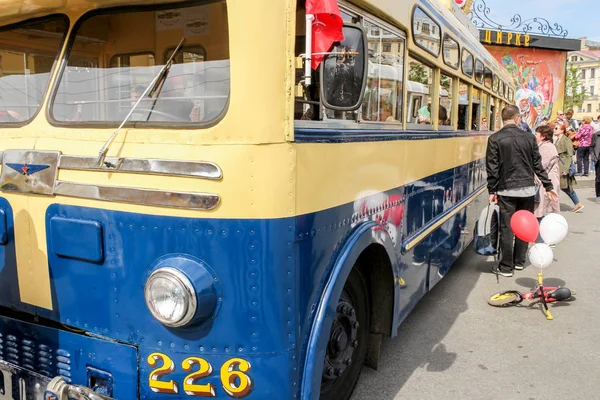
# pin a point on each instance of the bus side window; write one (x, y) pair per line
(463, 106)
(492, 123)
(420, 78)
(475, 110)
(446, 100)
(383, 94)
(484, 111)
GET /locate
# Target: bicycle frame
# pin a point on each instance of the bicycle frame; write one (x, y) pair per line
(547, 294)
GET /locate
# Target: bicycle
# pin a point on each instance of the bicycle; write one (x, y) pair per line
(547, 294)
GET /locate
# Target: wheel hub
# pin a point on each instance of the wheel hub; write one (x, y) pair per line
(342, 341)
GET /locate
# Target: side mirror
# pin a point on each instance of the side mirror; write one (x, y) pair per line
(344, 73)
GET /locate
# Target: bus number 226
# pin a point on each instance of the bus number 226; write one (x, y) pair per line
(233, 376)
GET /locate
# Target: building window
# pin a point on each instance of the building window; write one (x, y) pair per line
(592, 73)
(591, 91)
(589, 108)
(582, 73)
(425, 29)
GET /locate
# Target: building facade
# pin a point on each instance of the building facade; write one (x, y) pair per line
(588, 62)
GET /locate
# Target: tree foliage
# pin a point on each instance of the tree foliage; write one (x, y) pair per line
(418, 73)
(575, 92)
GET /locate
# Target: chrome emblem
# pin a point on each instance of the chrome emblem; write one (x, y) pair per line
(27, 170)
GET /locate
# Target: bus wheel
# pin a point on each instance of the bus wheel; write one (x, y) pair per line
(347, 343)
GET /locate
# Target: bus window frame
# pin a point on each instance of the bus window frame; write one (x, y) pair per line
(484, 105)
(475, 63)
(475, 100)
(415, 8)
(495, 101)
(432, 92)
(447, 36)
(72, 35)
(56, 64)
(453, 112)
(403, 96)
(495, 83)
(488, 76)
(357, 123)
(462, 63)
(469, 105)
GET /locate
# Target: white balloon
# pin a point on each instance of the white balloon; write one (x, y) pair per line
(540, 255)
(553, 228)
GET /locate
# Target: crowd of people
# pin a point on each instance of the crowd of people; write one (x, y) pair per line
(525, 172)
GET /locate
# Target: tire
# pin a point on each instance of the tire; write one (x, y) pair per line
(507, 298)
(347, 344)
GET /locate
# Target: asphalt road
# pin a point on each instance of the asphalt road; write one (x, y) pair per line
(455, 346)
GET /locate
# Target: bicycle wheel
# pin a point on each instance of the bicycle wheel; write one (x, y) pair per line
(506, 298)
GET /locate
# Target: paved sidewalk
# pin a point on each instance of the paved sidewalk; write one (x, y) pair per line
(455, 346)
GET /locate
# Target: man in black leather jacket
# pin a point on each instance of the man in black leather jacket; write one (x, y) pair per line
(512, 160)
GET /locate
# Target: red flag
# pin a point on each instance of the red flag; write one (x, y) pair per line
(327, 27)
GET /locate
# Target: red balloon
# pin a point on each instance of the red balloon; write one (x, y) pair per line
(525, 226)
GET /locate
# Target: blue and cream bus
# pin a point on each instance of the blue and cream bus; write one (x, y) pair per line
(181, 215)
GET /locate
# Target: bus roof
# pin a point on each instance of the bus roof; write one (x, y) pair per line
(12, 11)
(399, 13)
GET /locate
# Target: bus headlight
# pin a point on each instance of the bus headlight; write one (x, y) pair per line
(170, 297)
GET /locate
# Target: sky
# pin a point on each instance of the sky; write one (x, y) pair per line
(581, 18)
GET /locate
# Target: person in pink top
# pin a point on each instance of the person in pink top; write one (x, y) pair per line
(584, 136)
(545, 205)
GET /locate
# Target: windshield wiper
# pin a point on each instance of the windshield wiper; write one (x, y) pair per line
(159, 78)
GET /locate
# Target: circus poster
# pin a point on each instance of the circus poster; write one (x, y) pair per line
(539, 75)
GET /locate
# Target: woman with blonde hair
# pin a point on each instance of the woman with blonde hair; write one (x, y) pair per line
(564, 146)
(584, 136)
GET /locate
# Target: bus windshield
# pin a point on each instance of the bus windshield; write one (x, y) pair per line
(110, 65)
(28, 52)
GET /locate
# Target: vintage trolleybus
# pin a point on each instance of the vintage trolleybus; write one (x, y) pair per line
(182, 215)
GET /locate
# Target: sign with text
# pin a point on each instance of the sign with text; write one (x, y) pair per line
(507, 38)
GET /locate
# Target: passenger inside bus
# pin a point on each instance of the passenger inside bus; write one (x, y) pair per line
(425, 115)
(386, 113)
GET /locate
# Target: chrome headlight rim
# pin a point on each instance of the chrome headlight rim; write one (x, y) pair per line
(174, 275)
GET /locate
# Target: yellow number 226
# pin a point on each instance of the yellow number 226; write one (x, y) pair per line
(234, 379)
